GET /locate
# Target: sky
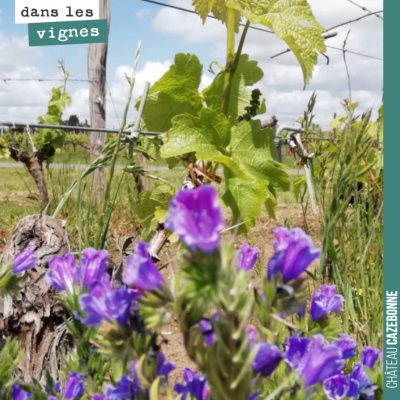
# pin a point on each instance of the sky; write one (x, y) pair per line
(164, 32)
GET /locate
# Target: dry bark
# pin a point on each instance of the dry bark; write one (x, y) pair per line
(34, 164)
(34, 315)
(142, 182)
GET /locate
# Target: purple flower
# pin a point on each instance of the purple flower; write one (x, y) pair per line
(208, 331)
(254, 395)
(297, 352)
(322, 362)
(196, 217)
(63, 273)
(293, 254)
(312, 360)
(301, 311)
(247, 257)
(252, 335)
(267, 359)
(325, 300)
(347, 345)
(74, 387)
(195, 386)
(336, 387)
(164, 368)
(360, 383)
(125, 390)
(18, 393)
(369, 355)
(56, 388)
(93, 265)
(140, 270)
(25, 260)
(98, 397)
(104, 302)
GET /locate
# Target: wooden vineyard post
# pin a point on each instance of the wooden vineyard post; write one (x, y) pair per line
(97, 71)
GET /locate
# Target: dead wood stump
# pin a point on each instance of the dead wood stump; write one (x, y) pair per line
(34, 315)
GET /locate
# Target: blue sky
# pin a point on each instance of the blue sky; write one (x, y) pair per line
(126, 31)
(165, 32)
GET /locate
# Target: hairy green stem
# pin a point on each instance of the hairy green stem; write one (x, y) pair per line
(230, 51)
(232, 59)
(240, 48)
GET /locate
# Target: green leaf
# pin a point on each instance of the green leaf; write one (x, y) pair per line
(4, 152)
(337, 123)
(254, 151)
(57, 104)
(117, 369)
(207, 135)
(299, 183)
(152, 208)
(270, 204)
(217, 8)
(155, 388)
(285, 17)
(245, 199)
(247, 74)
(202, 134)
(175, 93)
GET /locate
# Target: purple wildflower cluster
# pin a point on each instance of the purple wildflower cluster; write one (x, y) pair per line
(196, 217)
(98, 299)
(195, 386)
(319, 363)
(64, 274)
(293, 254)
(128, 386)
(73, 389)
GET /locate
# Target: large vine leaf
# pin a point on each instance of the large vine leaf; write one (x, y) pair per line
(202, 134)
(247, 74)
(207, 135)
(285, 17)
(175, 93)
(245, 199)
(218, 10)
(254, 151)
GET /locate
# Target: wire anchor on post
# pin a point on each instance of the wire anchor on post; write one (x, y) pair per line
(294, 141)
(132, 134)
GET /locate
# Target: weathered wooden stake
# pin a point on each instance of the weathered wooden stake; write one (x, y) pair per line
(97, 71)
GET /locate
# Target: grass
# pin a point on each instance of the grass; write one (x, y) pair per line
(19, 196)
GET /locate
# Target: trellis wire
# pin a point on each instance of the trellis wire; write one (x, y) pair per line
(279, 140)
(187, 10)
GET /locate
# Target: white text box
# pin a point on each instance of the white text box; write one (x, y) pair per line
(31, 11)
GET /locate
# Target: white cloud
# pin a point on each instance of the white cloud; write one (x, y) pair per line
(24, 101)
(143, 13)
(283, 81)
(16, 53)
(150, 72)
